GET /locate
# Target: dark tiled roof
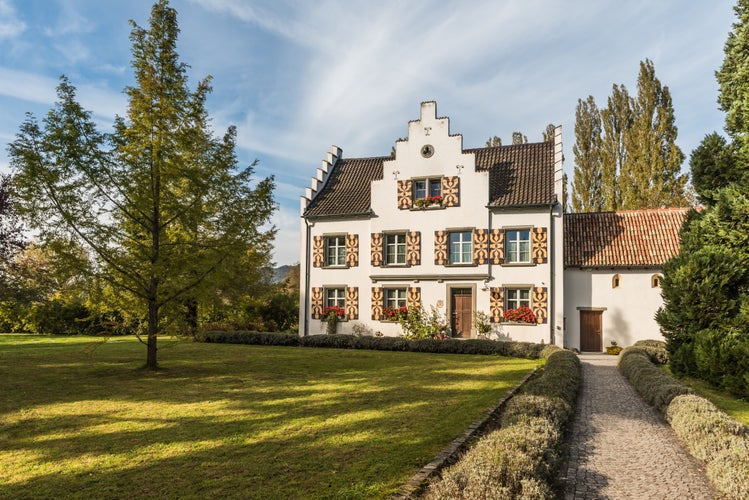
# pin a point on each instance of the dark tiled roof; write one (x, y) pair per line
(347, 191)
(632, 238)
(519, 175)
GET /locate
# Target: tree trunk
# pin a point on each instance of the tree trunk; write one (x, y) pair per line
(153, 328)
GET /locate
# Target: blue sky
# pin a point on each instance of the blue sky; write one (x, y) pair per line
(297, 77)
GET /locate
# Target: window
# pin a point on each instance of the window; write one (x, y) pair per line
(427, 188)
(461, 247)
(616, 281)
(335, 251)
(395, 298)
(518, 246)
(335, 297)
(655, 281)
(395, 249)
(518, 297)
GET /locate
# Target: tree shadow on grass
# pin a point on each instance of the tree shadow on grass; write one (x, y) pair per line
(245, 423)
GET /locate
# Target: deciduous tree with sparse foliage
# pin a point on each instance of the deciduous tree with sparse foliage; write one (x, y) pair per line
(160, 202)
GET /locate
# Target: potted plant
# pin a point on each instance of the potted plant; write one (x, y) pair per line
(613, 349)
(332, 315)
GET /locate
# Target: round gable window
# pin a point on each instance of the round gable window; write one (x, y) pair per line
(427, 151)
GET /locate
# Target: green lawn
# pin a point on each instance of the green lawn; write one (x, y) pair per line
(81, 419)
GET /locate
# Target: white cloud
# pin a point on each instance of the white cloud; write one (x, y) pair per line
(10, 25)
(286, 247)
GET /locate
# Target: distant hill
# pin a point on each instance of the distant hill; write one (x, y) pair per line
(279, 273)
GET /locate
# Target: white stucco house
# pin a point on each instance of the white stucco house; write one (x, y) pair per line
(465, 230)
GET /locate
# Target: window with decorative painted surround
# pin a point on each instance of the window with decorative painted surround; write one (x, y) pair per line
(335, 250)
(430, 192)
(518, 304)
(345, 298)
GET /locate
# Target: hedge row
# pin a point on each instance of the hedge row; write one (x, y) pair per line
(710, 435)
(448, 346)
(522, 457)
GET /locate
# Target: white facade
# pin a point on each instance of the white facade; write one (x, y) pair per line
(626, 299)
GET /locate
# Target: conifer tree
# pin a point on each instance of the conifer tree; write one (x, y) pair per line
(586, 184)
(160, 202)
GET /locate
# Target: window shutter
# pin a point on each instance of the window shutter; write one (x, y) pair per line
(413, 248)
(451, 191)
(405, 194)
(318, 251)
(316, 303)
(539, 304)
(440, 248)
(413, 297)
(377, 303)
(376, 256)
(496, 304)
(540, 252)
(352, 302)
(480, 246)
(497, 247)
(352, 250)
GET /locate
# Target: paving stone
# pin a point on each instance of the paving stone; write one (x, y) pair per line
(620, 447)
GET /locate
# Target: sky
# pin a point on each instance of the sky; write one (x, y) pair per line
(296, 77)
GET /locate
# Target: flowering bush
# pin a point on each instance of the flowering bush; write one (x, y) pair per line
(395, 313)
(420, 324)
(522, 314)
(428, 201)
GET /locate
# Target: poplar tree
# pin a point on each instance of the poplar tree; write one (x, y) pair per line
(639, 160)
(617, 120)
(493, 142)
(650, 175)
(586, 184)
(160, 202)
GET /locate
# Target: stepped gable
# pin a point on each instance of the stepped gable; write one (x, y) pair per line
(519, 174)
(630, 238)
(347, 189)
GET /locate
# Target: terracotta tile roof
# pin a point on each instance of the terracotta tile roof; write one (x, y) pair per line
(519, 174)
(631, 238)
(347, 191)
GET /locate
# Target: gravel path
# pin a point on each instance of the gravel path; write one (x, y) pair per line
(622, 448)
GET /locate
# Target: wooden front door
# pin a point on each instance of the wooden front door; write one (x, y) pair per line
(591, 331)
(461, 311)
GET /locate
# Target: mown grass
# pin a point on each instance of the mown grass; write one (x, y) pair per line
(735, 407)
(81, 419)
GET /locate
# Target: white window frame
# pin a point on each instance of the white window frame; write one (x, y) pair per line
(335, 296)
(514, 253)
(462, 256)
(514, 297)
(395, 242)
(425, 186)
(335, 251)
(396, 297)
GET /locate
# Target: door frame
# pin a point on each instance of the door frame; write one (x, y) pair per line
(599, 313)
(449, 305)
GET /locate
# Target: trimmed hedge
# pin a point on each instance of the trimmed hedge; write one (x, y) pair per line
(448, 346)
(521, 458)
(656, 350)
(709, 434)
